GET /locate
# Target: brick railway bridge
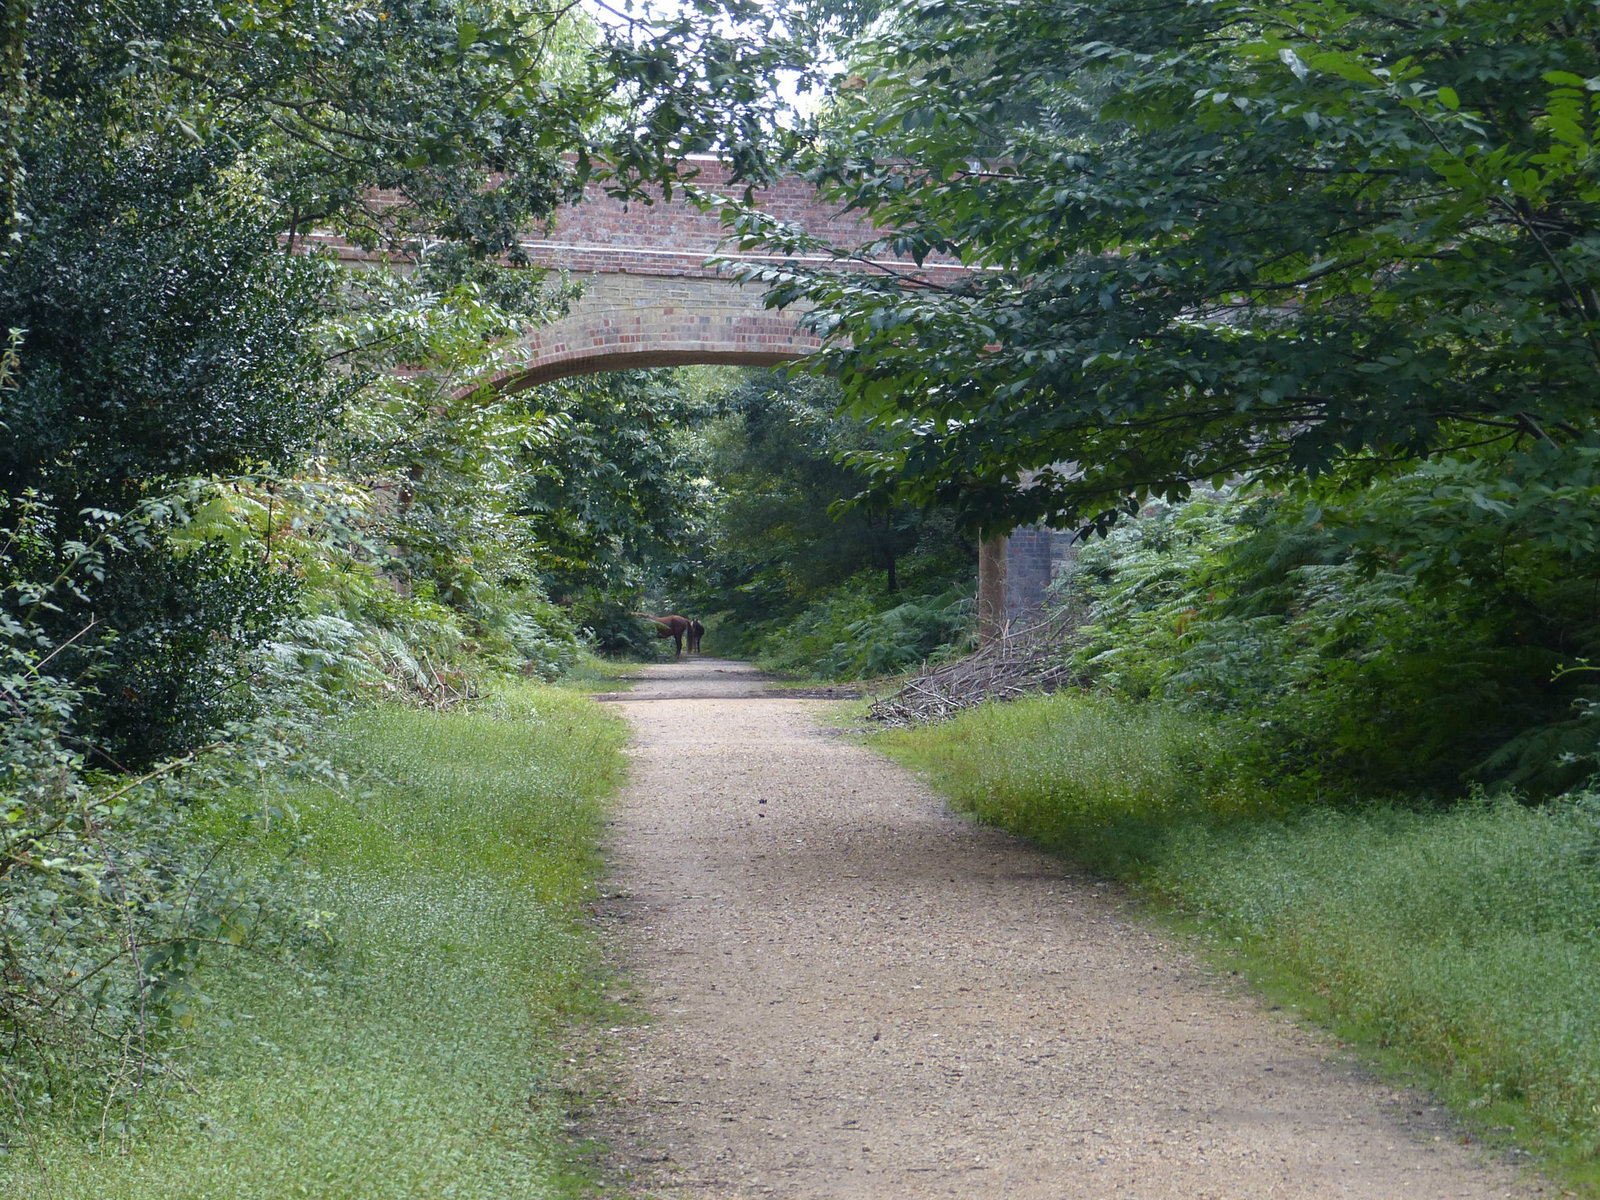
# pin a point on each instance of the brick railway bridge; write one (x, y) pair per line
(650, 299)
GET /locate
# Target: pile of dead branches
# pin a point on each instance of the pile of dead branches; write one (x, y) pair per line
(1022, 661)
(407, 673)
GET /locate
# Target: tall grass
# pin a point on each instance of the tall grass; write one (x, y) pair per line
(1104, 780)
(416, 1063)
(1469, 937)
(1465, 941)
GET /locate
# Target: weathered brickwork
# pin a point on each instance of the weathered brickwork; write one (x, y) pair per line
(1029, 555)
(651, 296)
(654, 298)
(624, 322)
(676, 238)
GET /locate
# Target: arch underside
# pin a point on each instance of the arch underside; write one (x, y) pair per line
(640, 360)
(631, 322)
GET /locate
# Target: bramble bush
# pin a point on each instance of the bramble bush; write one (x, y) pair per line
(110, 900)
(1351, 653)
(417, 1049)
(117, 887)
(860, 631)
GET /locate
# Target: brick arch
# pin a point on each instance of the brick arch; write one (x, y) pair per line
(651, 300)
(650, 297)
(626, 322)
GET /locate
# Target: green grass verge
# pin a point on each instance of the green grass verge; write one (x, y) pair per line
(1464, 943)
(420, 1063)
(591, 673)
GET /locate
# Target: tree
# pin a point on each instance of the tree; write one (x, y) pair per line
(160, 164)
(785, 527)
(163, 338)
(802, 565)
(613, 493)
(1276, 241)
(174, 352)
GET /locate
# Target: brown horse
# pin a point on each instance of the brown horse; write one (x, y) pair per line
(672, 626)
(696, 632)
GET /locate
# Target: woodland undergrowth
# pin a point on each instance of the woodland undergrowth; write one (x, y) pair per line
(1362, 769)
(409, 1046)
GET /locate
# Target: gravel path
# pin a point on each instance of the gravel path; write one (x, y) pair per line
(857, 994)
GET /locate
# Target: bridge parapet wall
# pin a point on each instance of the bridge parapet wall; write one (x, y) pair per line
(601, 227)
(650, 296)
(602, 234)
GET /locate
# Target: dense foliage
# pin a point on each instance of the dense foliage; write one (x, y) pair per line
(1215, 240)
(619, 488)
(1344, 252)
(1351, 662)
(800, 563)
(162, 338)
(241, 483)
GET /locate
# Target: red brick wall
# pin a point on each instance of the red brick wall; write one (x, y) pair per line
(652, 300)
(601, 234)
(630, 321)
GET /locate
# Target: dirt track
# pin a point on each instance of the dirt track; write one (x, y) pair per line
(857, 994)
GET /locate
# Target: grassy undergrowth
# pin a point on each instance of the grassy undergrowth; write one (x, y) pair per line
(416, 1061)
(590, 673)
(1464, 941)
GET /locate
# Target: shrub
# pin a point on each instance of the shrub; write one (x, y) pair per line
(1345, 663)
(421, 1055)
(862, 631)
(109, 900)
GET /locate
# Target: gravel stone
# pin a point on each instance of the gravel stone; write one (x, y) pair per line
(854, 992)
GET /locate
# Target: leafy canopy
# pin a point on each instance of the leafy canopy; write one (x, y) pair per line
(160, 164)
(1213, 240)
